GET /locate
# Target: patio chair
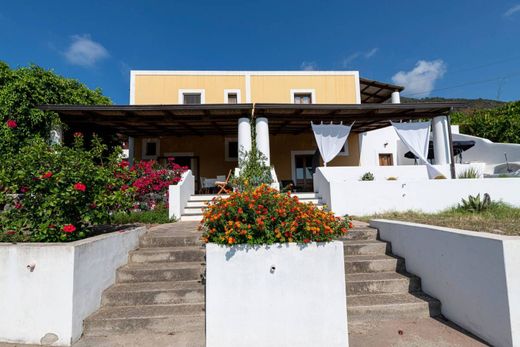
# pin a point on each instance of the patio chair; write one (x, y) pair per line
(223, 185)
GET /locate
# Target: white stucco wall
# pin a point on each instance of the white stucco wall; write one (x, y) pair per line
(301, 303)
(360, 198)
(64, 287)
(476, 276)
(179, 194)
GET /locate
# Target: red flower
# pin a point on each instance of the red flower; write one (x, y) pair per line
(69, 228)
(93, 205)
(24, 189)
(306, 240)
(80, 186)
(48, 174)
(18, 206)
(11, 123)
(10, 232)
(78, 134)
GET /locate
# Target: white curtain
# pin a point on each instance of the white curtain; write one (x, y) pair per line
(330, 139)
(416, 136)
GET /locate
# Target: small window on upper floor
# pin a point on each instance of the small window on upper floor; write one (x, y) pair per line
(303, 98)
(192, 98)
(232, 98)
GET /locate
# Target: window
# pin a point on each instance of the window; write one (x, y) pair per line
(192, 99)
(344, 150)
(303, 98)
(192, 96)
(231, 149)
(150, 148)
(232, 96)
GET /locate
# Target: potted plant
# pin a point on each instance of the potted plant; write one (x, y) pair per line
(271, 260)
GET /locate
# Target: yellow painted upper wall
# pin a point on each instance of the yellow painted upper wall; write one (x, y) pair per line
(164, 89)
(327, 89)
(269, 87)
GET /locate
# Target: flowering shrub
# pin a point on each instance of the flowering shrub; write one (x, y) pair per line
(266, 216)
(58, 193)
(152, 181)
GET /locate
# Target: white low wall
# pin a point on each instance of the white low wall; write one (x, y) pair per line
(301, 302)
(65, 286)
(360, 198)
(476, 276)
(179, 194)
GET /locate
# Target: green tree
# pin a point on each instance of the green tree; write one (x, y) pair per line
(501, 124)
(24, 88)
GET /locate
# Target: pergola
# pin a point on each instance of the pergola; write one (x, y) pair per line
(221, 119)
(271, 119)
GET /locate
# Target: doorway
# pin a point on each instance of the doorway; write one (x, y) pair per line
(302, 172)
(386, 159)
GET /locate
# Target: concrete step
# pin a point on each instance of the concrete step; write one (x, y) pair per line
(368, 247)
(169, 240)
(191, 218)
(207, 197)
(154, 293)
(361, 234)
(169, 319)
(309, 195)
(200, 204)
(381, 283)
(190, 211)
(392, 306)
(373, 263)
(157, 272)
(165, 254)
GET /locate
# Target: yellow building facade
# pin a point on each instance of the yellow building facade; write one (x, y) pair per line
(212, 155)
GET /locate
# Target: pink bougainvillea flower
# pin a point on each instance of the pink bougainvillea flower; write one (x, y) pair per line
(48, 174)
(24, 189)
(18, 206)
(11, 123)
(69, 228)
(80, 186)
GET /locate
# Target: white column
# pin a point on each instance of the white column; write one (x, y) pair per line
(441, 143)
(244, 137)
(131, 150)
(262, 138)
(56, 135)
(396, 98)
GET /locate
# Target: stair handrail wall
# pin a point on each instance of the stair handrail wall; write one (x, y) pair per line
(322, 186)
(179, 194)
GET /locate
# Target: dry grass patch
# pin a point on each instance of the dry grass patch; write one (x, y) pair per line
(498, 219)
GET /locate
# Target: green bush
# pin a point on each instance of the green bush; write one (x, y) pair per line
(368, 176)
(469, 173)
(475, 203)
(253, 171)
(498, 125)
(58, 193)
(23, 89)
(159, 215)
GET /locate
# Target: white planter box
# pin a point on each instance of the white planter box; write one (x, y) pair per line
(279, 295)
(50, 302)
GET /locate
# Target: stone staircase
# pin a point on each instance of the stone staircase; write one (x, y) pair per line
(161, 289)
(197, 203)
(378, 286)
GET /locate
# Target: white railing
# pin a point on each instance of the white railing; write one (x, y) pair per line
(179, 195)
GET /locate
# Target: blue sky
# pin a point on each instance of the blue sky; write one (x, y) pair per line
(463, 48)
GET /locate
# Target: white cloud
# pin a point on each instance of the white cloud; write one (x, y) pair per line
(346, 62)
(308, 66)
(371, 53)
(511, 11)
(83, 51)
(421, 79)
